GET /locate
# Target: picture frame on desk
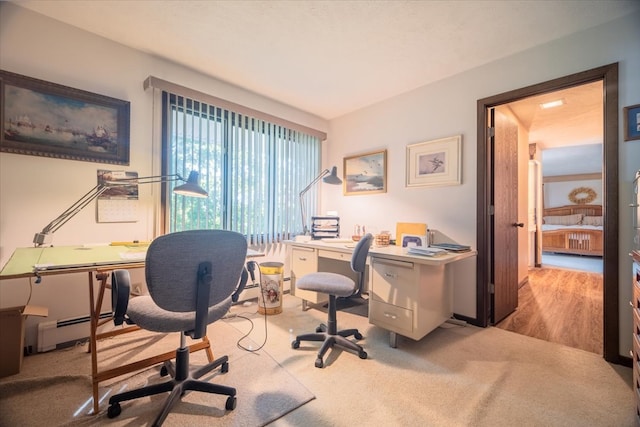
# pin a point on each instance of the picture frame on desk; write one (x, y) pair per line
(365, 173)
(632, 122)
(41, 118)
(413, 240)
(434, 163)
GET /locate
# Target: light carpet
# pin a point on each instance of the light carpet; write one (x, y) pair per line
(54, 388)
(455, 376)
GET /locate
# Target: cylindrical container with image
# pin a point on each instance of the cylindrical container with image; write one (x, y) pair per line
(271, 284)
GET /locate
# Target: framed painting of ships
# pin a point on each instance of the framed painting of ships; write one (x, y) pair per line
(46, 119)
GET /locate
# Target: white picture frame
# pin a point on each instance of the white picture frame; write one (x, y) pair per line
(435, 163)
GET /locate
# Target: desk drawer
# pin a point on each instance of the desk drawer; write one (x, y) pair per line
(304, 261)
(340, 256)
(394, 282)
(391, 317)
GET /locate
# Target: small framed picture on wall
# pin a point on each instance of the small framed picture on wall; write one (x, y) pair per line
(632, 122)
(365, 173)
(434, 163)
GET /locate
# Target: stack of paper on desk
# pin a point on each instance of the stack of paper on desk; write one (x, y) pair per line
(451, 247)
(417, 250)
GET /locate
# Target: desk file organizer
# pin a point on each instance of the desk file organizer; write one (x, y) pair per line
(325, 226)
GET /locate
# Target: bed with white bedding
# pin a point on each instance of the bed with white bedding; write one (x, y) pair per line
(573, 229)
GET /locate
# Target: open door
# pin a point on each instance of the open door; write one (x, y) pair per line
(486, 207)
(505, 218)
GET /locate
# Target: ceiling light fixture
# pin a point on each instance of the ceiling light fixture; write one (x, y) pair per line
(551, 104)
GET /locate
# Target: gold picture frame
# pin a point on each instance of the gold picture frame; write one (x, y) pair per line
(435, 163)
(365, 173)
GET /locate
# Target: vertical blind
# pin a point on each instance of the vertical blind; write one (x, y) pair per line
(252, 169)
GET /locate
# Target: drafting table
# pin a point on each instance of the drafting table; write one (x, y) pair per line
(98, 261)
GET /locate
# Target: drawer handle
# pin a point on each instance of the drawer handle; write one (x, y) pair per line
(302, 258)
(390, 315)
(390, 275)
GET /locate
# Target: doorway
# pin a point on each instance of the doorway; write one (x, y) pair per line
(559, 274)
(491, 262)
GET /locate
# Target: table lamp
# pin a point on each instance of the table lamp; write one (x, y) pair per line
(331, 179)
(189, 188)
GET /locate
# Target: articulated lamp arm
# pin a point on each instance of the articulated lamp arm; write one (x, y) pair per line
(40, 238)
(305, 229)
(189, 188)
(331, 179)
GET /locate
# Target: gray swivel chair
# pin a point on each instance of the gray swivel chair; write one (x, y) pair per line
(191, 277)
(336, 285)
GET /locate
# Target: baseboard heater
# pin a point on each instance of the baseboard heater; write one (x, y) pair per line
(63, 333)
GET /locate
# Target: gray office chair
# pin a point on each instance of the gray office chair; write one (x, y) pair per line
(336, 285)
(191, 277)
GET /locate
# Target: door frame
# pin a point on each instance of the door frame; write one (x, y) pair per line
(608, 74)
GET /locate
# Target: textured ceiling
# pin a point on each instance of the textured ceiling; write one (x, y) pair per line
(569, 136)
(330, 58)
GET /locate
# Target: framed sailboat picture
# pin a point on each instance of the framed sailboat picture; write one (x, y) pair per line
(46, 119)
(365, 174)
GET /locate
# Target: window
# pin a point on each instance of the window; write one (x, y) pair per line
(253, 170)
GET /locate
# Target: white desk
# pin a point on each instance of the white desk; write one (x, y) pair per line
(410, 295)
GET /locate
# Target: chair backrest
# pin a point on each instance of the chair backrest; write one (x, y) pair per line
(173, 262)
(359, 257)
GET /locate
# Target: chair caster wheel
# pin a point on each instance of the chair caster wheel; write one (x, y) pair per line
(164, 371)
(114, 410)
(231, 403)
(295, 344)
(357, 336)
(362, 354)
(319, 329)
(319, 363)
(224, 368)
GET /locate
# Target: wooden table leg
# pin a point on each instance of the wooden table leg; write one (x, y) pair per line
(94, 315)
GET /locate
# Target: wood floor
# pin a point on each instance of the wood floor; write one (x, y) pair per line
(561, 306)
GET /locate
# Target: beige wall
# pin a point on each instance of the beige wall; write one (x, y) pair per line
(34, 190)
(448, 107)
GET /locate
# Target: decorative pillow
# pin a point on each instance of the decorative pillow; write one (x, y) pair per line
(592, 220)
(574, 219)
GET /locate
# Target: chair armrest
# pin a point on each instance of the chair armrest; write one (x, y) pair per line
(120, 289)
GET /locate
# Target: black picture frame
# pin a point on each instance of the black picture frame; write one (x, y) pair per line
(41, 118)
(632, 122)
